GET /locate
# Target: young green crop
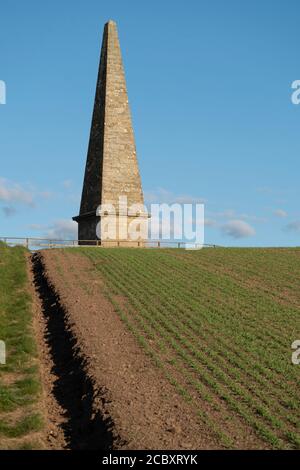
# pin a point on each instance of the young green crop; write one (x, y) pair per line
(219, 323)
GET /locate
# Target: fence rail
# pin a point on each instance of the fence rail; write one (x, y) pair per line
(45, 243)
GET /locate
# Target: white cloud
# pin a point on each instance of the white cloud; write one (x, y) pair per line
(293, 226)
(238, 229)
(63, 229)
(14, 193)
(161, 196)
(232, 214)
(280, 213)
(186, 199)
(210, 223)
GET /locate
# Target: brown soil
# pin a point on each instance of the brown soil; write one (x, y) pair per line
(52, 436)
(101, 390)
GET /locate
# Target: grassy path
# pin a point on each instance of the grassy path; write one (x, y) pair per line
(20, 420)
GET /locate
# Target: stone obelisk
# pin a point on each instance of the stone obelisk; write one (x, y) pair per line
(111, 168)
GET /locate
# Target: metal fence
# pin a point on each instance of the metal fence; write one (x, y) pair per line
(34, 244)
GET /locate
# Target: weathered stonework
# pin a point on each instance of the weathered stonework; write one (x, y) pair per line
(111, 168)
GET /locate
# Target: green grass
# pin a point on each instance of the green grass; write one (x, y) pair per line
(19, 378)
(220, 324)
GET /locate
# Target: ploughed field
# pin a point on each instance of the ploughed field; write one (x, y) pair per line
(218, 324)
(149, 348)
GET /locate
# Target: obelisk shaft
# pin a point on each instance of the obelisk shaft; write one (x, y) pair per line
(111, 167)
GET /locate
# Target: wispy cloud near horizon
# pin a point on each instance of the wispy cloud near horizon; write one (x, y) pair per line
(11, 192)
(162, 195)
(238, 229)
(293, 226)
(62, 229)
(280, 213)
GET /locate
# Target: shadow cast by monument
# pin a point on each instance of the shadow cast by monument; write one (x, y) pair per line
(84, 426)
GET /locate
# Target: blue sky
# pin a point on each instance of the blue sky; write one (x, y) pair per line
(209, 86)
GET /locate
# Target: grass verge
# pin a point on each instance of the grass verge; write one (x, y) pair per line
(20, 390)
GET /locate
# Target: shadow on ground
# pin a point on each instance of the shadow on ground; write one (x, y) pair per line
(83, 427)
